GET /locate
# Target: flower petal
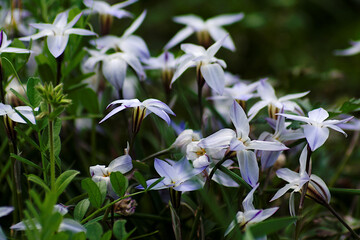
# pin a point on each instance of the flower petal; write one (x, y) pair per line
(219, 139)
(282, 191)
(179, 37)
(121, 164)
(5, 211)
(249, 168)
(248, 201)
(113, 112)
(135, 25)
(354, 49)
(213, 49)
(164, 169)
(79, 31)
(266, 145)
(315, 136)
(217, 33)
(293, 96)
(239, 119)
(214, 77)
(191, 20)
(114, 70)
(318, 115)
(57, 44)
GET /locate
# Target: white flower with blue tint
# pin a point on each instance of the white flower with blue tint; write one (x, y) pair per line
(144, 108)
(26, 111)
(58, 32)
(179, 175)
(5, 43)
(212, 26)
(250, 215)
(103, 8)
(317, 129)
(268, 98)
(354, 49)
(210, 67)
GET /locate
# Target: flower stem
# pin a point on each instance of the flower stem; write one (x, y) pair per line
(308, 170)
(51, 145)
(59, 61)
(108, 205)
(200, 82)
(349, 151)
(159, 153)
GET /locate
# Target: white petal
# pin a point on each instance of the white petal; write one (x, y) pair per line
(15, 50)
(79, 31)
(193, 49)
(123, 4)
(354, 49)
(61, 19)
(302, 160)
(239, 119)
(214, 77)
(121, 164)
(256, 108)
(57, 44)
(135, 64)
(136, 46)
(292, 204)
(266, 145)
(318, 115)
(5, 211)
(225, 19)
(38, 35)
(113, 112)
(219, 139)
(114, 70)
(320, 187)
(287, 175)
(315, 136)
(164, 169)
(266, 91)
(98, 170)
(293, 96)
(179, 37)
(268, 158)
(295, 117)
(185, 64)
(249, 168)
(71, 225)
(264, 214)
(73, 21)
(217, 33)
(161, 113)
(248, 201)
(135, 25)
(281, 191)
(187, 186)
(213, 49)
(224, 179)
(191, 20)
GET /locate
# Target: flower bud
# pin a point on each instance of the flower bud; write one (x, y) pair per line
(126, 206)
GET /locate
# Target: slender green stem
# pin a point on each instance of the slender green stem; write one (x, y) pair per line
(332, 210)
(93, 141)
(159, 153)
(349, 151)
(217, 165)
(51, 146)
(108, 205)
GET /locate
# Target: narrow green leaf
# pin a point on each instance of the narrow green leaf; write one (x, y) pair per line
(81, 209)
(119, 183)
(24, 160)
(345, 191)
(234, 176)
(32, 93)
(64, 180)
(27, 138)
(120, 231)
(154, 183)
(140, 178)
(21, 97)
(175, 222)
(35, 179)
(271, 226)
(93, 191)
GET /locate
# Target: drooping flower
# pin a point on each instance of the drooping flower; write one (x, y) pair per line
(316, 130)
(58, 32)
(179, 175)
(250, 215)
(26, 111)
(268, 98)
(4, 45)
(203, 29)
(317, 189)
(185, 138)
(142, 109)
(100, 173)
(210, 67)
(239, 142)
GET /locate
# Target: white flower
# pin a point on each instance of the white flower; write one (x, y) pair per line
(146, 107)
(58, 33)
(250, 215)
(186, 137)
(210, 66)
(103, 8)
(317, 129)
(211, 26)
(268, 98)
(4, 45)
(26, 111)
(354, 49)
(202, 157)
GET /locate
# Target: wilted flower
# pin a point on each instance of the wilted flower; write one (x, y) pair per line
(268, 98)
(317, 129)
(212, 26)
(250, 214)
(177, 175)
(125, 206)
(208, 66)
(58, 33)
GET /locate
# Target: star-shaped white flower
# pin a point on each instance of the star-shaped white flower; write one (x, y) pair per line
(103, 8)
(26, 111)
(268, 98)
(250, 215)
(4, 45)
(146, 107)
(58, 32)
(317, 129)
(212, 26)
(211, 67)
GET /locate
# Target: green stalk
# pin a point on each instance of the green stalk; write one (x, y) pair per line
(93, 140)
(52, 155)
(42, 157)
(159, 153)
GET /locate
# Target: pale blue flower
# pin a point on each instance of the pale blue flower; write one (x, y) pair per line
(103, 8)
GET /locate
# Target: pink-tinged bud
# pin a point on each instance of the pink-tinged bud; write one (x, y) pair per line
(126, 206)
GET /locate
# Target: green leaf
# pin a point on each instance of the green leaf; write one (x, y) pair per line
(345, 191)
(32, 93)
(140, 178)
(24, 160)
(89, 100)
(119, 183)
(81, 209)
(350, 106)
(234, 176)
(35, 179)
(271, 226)
(27, 138)
(93, 191)
(94, 231)
(21, 97)
(154, 183)
(107, 235)
(64, 179)
(120, 231)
